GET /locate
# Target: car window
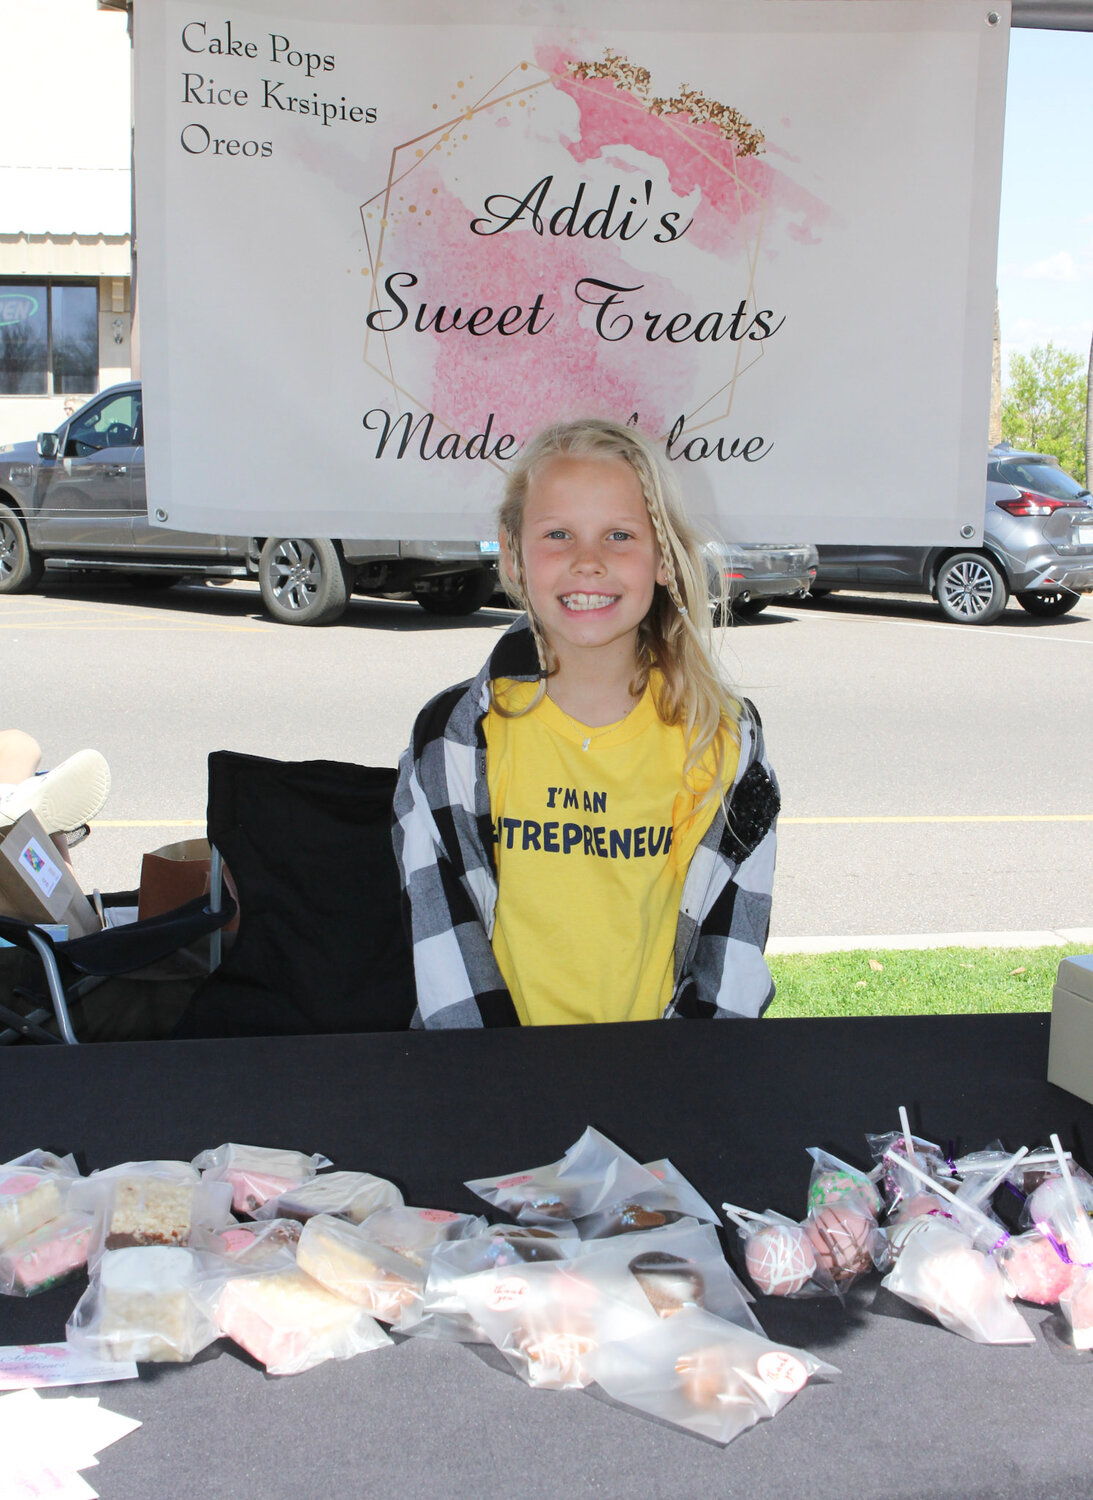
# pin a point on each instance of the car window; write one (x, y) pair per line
(1045, 479)
(113, 423)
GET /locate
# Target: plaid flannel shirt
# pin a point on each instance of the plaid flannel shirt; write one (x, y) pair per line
(443, 837)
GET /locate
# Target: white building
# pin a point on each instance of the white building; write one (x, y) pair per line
(65, 215)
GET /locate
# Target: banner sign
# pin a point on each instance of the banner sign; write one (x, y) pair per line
(379, 247)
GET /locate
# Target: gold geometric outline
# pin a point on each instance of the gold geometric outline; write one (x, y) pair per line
(440, 134)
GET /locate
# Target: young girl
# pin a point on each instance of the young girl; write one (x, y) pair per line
(586, 831)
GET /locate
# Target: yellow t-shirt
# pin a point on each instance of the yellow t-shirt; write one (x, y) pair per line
(592, 847)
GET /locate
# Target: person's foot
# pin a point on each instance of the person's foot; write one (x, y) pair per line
(61, 799)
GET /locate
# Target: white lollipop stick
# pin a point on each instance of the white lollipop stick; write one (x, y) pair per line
(905, 1126)
(1085, 1231)
(982, 1194)
(962, 1204)
(742, 1217)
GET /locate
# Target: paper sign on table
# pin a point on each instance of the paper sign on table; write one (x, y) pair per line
(44, 1443)
(26, 1365)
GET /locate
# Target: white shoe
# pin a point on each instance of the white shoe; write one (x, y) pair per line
(71, 794)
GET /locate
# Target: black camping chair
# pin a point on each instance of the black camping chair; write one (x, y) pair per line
(73, 968)
(321, 945)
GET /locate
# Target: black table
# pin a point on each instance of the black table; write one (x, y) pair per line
(916, 1410)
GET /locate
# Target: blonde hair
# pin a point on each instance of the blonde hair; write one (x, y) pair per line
(675, 636)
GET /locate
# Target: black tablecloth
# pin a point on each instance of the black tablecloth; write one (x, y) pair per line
(734, 1105)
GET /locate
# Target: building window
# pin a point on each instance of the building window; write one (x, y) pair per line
(49, 338)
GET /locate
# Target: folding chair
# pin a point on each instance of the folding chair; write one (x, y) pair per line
(72, 969)
(321, 945)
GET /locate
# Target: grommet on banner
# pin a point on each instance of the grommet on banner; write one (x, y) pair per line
(993, 18)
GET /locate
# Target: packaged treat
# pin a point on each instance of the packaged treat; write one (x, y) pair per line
(836, 1181)
(593, 1176)
(547, 1320)
(347, 1195)
(896, 1147)
(845, 1240)
(143, 1304)
(29, 1197)
(415, 1232)
(940, 1271)
(683, 1266)
(1051, 1209)
(1077, 1307)
(779, 1257)
(46, 1161)
(441, 1312)
(273, 1241)
(257, 1172)
(290, 1323)
(699, 1373)
(47, 1256)
(149, 1203)
(342, 1258)
(1034, 1268)
(673, 1199)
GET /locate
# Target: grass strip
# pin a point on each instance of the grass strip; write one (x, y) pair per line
(912, 982)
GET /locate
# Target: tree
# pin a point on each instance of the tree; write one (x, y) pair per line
(1043, 405)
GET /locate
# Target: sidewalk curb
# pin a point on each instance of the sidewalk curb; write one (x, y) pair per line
(1046, 938)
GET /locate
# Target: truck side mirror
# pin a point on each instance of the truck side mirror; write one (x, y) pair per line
(49, 444)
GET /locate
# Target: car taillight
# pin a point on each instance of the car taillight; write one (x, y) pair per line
(1032, 504)
(733, 575)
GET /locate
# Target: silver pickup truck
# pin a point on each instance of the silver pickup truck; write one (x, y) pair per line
(76, 500)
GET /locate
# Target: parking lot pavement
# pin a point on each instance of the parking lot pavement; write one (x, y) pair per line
(935, 778)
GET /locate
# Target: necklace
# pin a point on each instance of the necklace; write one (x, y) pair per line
(588, 734)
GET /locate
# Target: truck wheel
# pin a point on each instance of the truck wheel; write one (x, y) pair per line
(1047, 603)
(971, 589)
(458, 593)
(303, 582)
(20, 569)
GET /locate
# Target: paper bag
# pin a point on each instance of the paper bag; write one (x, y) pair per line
(175, 874)
(36, 885)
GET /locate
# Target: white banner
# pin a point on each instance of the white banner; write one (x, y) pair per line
(376, 255)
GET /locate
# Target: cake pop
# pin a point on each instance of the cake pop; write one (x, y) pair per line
(780, 1259)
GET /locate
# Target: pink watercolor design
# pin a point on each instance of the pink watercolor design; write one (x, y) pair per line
(565, 370)
(736, 191)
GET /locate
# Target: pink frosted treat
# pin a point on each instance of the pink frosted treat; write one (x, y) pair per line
(290, 1323)
(28, 1198)
(1034, 1270)
(250, 1189)
(780, 1259)
(46, 1256)
(841, 1239)
(1077, 1304)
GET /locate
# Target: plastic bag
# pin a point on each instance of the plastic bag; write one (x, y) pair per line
(347, 1195)
(593, 1176)
(835, 1181)
(50, 1254)
(257, 1172)
(677, 1267)
(706, 1376)
(1077, 1307)
(142, 1305)
(271, 1242)
(29, 1198)
(1050, 1209)
(441, 1312)
(896, 1184)
(290, 1323)
(149, 1203)
(941, 1272)
(46, 1161)
(415, 1232)
(342, 1258)
(1034, 1270)
(547, 1320)
(845, 1241)
(780, 1258)
(671, 1200)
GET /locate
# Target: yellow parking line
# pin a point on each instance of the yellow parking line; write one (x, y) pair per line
(953, 818)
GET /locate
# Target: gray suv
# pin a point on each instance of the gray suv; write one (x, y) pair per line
(1037, 545)
(76, 500)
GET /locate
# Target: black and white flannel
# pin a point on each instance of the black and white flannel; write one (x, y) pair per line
(443, 836)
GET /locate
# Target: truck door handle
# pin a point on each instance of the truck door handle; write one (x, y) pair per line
(113, 470)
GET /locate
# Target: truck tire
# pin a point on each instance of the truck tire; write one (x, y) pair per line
(303, 581)
(20, 569)
(971, 589)
(459, 593)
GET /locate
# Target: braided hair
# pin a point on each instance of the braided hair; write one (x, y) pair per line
(675, 637)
